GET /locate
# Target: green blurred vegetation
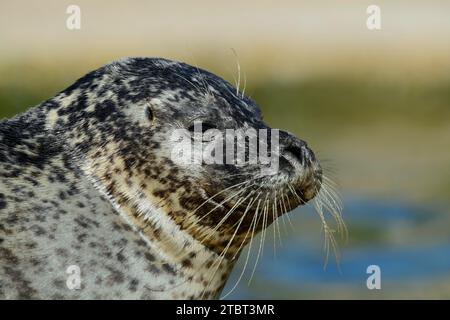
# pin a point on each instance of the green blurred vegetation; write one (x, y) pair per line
(389, 132)
(329, 101)
(346, 100)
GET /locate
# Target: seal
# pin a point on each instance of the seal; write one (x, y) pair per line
(92, 205)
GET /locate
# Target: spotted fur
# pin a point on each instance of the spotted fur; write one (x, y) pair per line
(86, 179)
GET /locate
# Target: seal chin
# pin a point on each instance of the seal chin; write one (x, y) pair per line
(310, 187)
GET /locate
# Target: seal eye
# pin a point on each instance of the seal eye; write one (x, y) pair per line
(149, 113)
(205, 127)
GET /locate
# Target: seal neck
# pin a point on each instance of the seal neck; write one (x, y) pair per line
(191, 260)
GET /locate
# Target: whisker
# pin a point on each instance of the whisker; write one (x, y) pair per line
(255, 214)
(238, 65)
(253, 227)
(247, 208)
(189, 82)
(283, 211)
(226, 200)
(237, 204)
(274, 234)
(260, 250)
(288, 213)
(277, 222)
(215, 195)
(223, 254)
(245, 86)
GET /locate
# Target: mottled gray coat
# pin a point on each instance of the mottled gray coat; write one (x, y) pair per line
(87, 184)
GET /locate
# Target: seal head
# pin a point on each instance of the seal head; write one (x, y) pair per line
(92, 172)
(125, 115)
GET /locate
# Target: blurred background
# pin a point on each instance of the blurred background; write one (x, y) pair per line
(374, 104)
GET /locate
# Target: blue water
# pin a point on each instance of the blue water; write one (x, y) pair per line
(417, 256)
(396, 263)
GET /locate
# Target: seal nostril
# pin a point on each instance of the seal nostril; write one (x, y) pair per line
(297, 151)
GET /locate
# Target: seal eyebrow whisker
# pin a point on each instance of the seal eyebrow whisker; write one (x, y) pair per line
(239, 78)
(234, 80)
(227, 89)
(189, 82)
(205, 82)
(238, 66)
(245, 86)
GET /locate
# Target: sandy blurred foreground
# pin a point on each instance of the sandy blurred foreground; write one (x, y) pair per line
(288, 39)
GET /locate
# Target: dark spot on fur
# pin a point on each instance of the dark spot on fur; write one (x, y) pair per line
(62, 252)
(187, 263)
(121, 257)
(115, 276)
(60, 284)
(149, 257)
(80, 205)
(133, 285)
(168, 268)
(62, 195)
